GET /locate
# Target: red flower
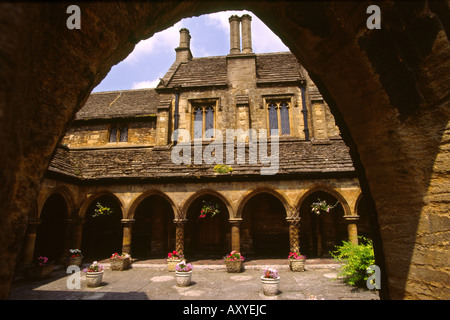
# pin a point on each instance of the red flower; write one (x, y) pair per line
(170, 255)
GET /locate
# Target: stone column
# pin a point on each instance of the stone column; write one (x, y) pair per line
(77, 233)
(235, 234)
(30, 241)
(235, 39)
(293, 234)
(352, 228)
(67, 238)
(179, 235)
(246, 21)
(126, 242)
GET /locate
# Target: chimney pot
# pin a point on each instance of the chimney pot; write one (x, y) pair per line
(246, 21)
(235, 41)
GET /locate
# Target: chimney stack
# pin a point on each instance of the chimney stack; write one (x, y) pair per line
(184, 50)
(246, 21)
(235, 41)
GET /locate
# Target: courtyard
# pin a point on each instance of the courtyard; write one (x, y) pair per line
(210, 281)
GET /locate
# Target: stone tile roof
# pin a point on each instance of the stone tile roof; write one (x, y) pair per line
(296, 157)
(277, 67)
(208, 71)
(119, 104)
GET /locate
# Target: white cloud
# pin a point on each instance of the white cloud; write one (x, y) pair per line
(165, 40)
(263, 39)
(145, 84)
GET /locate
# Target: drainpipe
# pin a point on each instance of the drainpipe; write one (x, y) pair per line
(305, 113)
(176, 115)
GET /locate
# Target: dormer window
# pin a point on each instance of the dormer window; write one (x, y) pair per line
(118, 133)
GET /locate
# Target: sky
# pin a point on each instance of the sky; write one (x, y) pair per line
(210, 36)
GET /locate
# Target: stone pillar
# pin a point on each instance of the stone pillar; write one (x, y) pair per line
(77, 233)
(235, 234)
(352, 228)
(235, 39)
(246, 21)
(127, 232)
(67, 238)
(293, 234)
(30, 241)
(179, 235)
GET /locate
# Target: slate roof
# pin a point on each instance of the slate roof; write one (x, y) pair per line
(208, 71)
(119, 104)
(276, 67)
(295, 158)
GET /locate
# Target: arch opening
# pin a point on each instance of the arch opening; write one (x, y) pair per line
(153, 233)
(50, 235)
(102, 235)
(320, 233)
(208, 236)
(264, 229)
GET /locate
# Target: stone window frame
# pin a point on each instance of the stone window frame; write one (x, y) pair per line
(278, 99)
(120, 129)
(203, 104)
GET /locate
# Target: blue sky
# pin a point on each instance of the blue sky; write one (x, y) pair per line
(210, 36)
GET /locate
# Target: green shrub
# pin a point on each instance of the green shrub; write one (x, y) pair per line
(356, 259)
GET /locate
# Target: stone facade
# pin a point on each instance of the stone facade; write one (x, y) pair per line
(119, 151)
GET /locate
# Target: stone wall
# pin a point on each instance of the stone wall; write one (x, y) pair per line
(398, 137)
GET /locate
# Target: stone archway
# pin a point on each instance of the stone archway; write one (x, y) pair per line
(387, 89)
(319, 234)
(102, 235)
(153, 231)
(265, 231)
(207, 235)
(50, 237)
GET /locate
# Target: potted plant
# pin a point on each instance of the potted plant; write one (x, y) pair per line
(210, 208)
(172, 259)
(120, 262)
(183, 272)
(234, 261)
(270, 281)
(322, 206)
(74, 257)
(296, 262)
(41, 268)
(94, 274)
